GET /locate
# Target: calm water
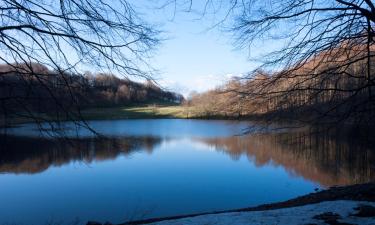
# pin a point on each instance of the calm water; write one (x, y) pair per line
(153, 168)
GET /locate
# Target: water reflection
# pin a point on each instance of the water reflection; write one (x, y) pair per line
(34, 155)
(319, 157)
(168, 167)
(323, 157)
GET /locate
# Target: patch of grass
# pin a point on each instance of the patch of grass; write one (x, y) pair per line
(136, 112)
(139, 111)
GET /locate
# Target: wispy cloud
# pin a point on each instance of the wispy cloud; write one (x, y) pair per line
(198, 83)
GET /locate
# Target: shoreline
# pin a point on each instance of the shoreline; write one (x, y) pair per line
(357, 192)
(141, 111)
(155, 111)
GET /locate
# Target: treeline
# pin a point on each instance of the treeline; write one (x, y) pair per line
(32, 87)
(336, 85)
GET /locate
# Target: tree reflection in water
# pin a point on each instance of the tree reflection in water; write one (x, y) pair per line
(328, 158)
(34, 155)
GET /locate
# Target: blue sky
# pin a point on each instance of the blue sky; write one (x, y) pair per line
(194, 57)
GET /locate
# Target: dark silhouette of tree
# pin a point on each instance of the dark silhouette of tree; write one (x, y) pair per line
(323, 56)
(67, 37)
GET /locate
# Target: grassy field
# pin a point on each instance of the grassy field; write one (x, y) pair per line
(144, 111)
(137, 112)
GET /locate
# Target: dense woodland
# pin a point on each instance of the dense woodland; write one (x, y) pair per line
(35, 88)
(335, 86)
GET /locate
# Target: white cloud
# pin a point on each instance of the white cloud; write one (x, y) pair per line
(197, 83)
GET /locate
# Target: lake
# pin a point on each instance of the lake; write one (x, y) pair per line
(164, 167)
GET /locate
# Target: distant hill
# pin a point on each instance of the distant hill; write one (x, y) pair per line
(35, 88)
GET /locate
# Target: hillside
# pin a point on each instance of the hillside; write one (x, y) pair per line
(330, 86)
(32, 91)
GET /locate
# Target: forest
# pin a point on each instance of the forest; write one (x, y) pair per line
(332, 86)
(27, 89)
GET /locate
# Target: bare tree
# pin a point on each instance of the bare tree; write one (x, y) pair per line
(67, 37)
(323, 56)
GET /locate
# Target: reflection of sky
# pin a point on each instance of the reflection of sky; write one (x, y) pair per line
(182, 175)
(193, 143)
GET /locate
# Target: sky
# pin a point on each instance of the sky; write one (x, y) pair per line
(194, 57)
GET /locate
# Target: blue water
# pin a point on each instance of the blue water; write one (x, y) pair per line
(175, 128)
(151, 168)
